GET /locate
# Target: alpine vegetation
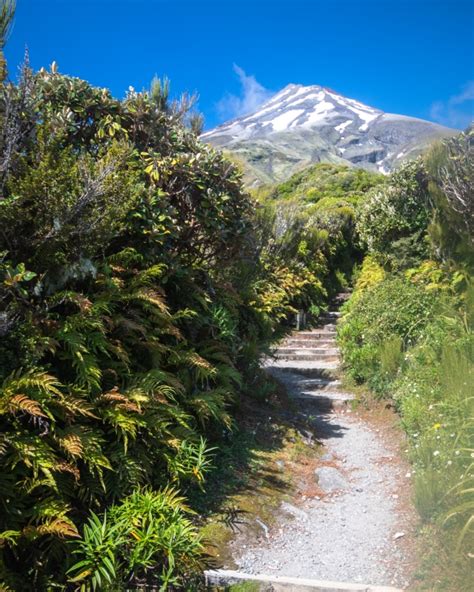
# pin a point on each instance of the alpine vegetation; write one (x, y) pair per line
(139, 284)
(407, 333)
(142, 285)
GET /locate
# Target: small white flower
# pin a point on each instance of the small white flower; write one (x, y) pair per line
(436, 453)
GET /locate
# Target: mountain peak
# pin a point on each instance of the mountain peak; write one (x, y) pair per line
(301, 124)
(298, 106)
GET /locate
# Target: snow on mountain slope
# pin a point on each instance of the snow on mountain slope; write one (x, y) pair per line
(304, 124)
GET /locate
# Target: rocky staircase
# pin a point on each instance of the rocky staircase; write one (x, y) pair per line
(317, 346)
(315, 355)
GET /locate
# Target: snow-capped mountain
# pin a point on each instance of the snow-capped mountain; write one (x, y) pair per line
(301, 125)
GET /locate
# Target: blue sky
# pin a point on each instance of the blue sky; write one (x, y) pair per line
(413, 57)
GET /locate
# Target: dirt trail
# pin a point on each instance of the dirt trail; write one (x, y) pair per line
(360, 527)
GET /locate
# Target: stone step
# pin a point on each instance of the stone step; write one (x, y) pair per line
(331, 315)
(331, 351)
(330, 325)
(326, 401)
(307, 357)
(224, 577)
(302, 368)
(318, 333)
(320, 384)
(308, 343)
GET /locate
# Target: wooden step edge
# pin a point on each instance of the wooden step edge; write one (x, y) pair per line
(223, 577)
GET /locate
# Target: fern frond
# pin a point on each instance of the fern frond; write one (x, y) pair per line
(211, 405)
(155, 379)
(59, 527)
(40, 381)
(151, 297)
(76, 406)
(121, 401)
(149, 276)
(204, 369)
(65, 467)
(72, 444)
(25, 404)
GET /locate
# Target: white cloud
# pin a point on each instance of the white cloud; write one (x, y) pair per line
(252, 95)
(458, 110)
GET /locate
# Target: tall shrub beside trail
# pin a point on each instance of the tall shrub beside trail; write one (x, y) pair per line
(139, 285)
(451, 169)
(392, 222)
(407, 332)
(121, 240)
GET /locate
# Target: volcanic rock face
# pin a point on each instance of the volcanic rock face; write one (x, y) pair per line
(301, 125)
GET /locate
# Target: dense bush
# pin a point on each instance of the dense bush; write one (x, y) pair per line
(139, 285)
(408, 334)
(324, 180)
(415, 344)
(451, 186)
(385, 320)
(313, 213)
(122, 324)
(392, 222)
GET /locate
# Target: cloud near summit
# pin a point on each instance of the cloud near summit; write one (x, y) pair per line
(458, 110)
(252, 95)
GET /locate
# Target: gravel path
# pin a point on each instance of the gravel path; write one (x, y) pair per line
(360, 529)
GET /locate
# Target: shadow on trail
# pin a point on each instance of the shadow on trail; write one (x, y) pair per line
(325, 427)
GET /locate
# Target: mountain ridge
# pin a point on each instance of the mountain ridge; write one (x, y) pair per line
(301, 125)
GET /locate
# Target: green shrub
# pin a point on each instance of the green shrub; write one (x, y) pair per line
(147, 539)
(393, 220)
(380, 323)
(139, 287)
(411, 338)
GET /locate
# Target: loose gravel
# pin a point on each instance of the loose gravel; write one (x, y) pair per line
(360, 530)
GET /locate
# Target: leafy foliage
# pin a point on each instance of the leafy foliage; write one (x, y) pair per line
(139, 286)
(392, 222)
(408, 334)
(326, 181)
(123, 316)
(309, 222)
(450, 165)
(147, 539)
